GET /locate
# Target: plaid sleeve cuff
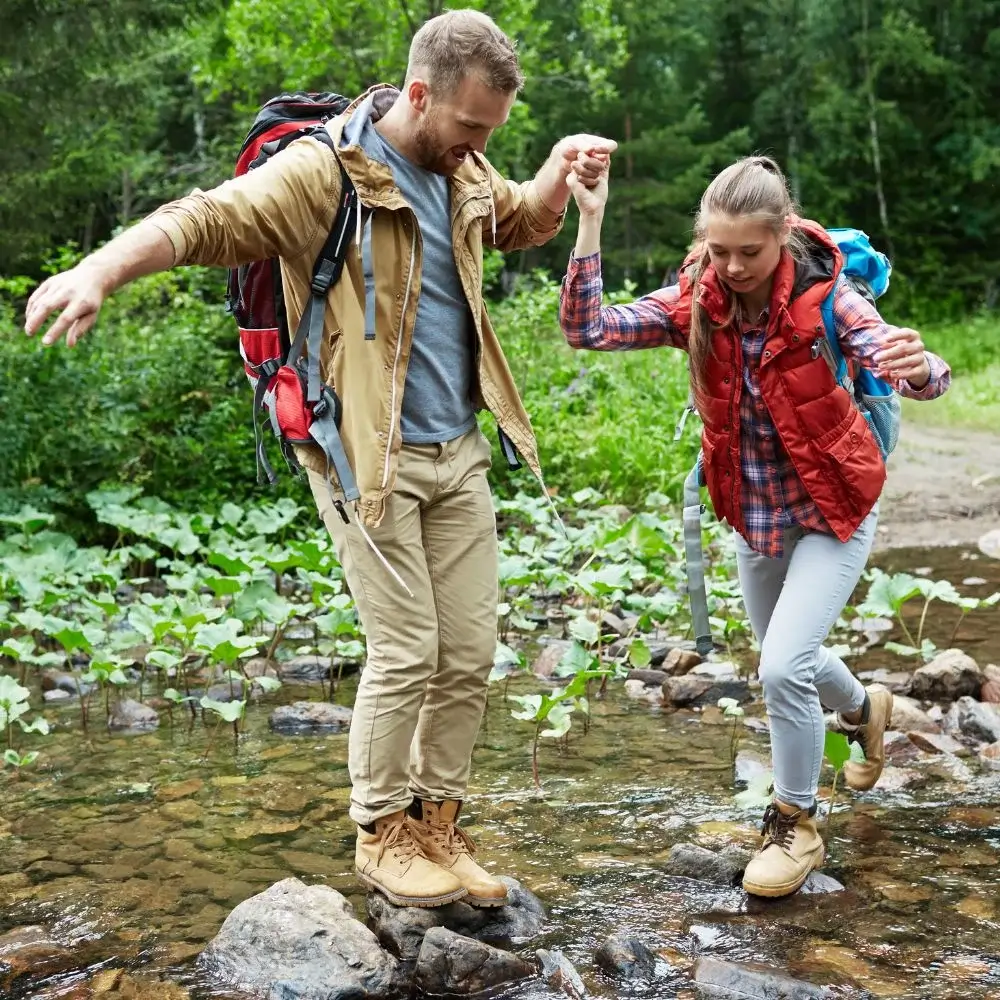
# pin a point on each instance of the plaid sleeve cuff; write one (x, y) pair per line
(937, 384)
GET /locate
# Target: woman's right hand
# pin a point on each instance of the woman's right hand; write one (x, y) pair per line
(589, 184)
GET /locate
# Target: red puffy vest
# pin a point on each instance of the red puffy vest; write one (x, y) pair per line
(823, 433)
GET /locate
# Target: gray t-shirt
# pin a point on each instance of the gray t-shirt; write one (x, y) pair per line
(437, 396)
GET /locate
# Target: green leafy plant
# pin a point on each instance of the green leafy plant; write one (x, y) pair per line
(554, 710)
(838, 751)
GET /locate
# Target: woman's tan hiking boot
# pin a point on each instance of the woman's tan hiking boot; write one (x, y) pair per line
(876, 716)
(792, 848)
(435, 826)
(389, 860)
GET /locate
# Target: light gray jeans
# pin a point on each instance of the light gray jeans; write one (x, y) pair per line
(793, 602)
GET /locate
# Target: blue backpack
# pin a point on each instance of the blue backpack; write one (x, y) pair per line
(868, 271)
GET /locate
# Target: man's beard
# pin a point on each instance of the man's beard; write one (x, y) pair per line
(428, 150)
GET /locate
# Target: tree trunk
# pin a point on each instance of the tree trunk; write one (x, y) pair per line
(883, 210)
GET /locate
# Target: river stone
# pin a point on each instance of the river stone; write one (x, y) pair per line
(990, 756)
(896, 681)
(310, 717)
(990, 691)
(975, 719)
(31, 952)
(558, 971)
(716, 671)
(305, 669)
(132, 716)
(56, 695)
(401, 929)
(724, 868)
(60, 680)
(818, 884)
(938, 743)
(691, 691)
(647, 677)
(638, 691)
(300, 942)
(681, 661)
(950, 675)
(449, 963)
(624, 956)
(715, 978)
(909, 717)
(549, 658)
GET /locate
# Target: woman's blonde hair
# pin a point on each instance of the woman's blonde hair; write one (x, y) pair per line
(753, 188)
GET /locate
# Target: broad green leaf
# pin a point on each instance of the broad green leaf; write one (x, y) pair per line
(267, 684)
(639, 654)
(18, 649)
(231, 515)
(230, 565)
(223, 586)
(228, 711)
(559, 720)
(12, 693)
(39, 725)
(532, 706)
(585, 630)
(837, 750)
(162, 659)
(575, 659)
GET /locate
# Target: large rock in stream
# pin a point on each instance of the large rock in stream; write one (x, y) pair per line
(731, 980)
(402, 928)
(449, 963)
(949, 676)
(300, 942)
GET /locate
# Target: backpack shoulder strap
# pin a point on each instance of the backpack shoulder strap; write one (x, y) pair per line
(830, 348)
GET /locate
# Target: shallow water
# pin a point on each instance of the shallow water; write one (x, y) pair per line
(135, 848)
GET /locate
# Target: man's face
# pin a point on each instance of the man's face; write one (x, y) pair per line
(449, 127)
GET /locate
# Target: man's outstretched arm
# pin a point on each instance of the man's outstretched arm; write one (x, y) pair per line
(76, 296)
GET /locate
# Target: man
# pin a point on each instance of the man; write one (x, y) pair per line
(409, 347)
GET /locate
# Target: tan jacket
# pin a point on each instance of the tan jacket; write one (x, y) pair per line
(286, 209)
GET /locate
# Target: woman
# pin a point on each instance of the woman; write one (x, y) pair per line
(790, 461)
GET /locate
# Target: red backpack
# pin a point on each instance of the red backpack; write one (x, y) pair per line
(284, 371)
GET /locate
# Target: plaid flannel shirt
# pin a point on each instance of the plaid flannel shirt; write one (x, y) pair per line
(773, 497)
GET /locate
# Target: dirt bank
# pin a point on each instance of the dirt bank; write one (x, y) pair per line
(943, 489)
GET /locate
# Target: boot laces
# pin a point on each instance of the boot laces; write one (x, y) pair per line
(398, 838)
(451, 838)
(778, 828)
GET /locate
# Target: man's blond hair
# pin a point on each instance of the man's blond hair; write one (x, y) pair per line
(459, 43)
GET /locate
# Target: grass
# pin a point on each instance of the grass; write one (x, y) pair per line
(972, 348)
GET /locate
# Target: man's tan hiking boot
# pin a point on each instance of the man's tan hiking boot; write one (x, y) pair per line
(435, 826)
(792, 848)
(389, 860)
(876, 716)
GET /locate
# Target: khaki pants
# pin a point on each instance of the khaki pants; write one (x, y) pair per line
(423, 689)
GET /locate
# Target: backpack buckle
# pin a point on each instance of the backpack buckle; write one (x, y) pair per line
(320, 407)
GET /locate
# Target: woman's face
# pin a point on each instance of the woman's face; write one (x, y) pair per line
(744, 252)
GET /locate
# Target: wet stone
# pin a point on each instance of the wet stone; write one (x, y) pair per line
(401, 929)
(549, 658)
(310, 717)
(132, 716)
(560, 974)
(975, 719)
(908, 716)
(449, 963)
(695, 692)
(624, 956)
(680, 661)
(950, 675)
(302, 942)
(937, 743)
(716, 978)
(60, 680)
(305, 669)
(723, 868)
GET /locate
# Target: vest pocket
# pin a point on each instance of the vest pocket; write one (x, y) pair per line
(857, 463)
